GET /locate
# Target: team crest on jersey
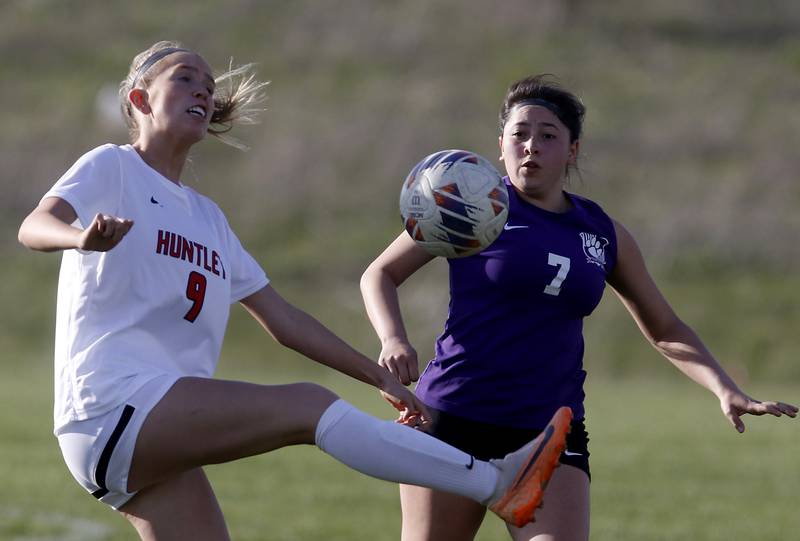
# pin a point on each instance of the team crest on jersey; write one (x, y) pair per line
(594, 247)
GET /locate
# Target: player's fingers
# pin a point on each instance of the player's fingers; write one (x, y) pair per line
(754, 407)
(402, 372)
(413, 370)
(396, 369)
(779, 408)
(109, 226)
(788, 409)
(120, 228)
(117, 236)
(412, 410)
(388, 365)
(735, 420)
(407, 420)
(418, 422)
(410, 419)
(126, 226)
(422, 410)
(99, 223)
(391, 366)
(396, 404)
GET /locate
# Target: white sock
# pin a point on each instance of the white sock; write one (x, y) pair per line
(401, 454)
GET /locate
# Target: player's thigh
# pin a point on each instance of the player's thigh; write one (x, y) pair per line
(432, 515)
(183, 507)
(207, 421)
(565, 514)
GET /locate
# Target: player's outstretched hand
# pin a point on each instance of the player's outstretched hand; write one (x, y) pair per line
(104, 233)
(736, 404)
(412, 411)
(400, 358)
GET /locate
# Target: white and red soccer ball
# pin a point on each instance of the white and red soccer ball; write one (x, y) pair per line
(454, 203)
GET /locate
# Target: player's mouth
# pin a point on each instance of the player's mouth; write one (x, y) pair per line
(530, 165)
(198, 111)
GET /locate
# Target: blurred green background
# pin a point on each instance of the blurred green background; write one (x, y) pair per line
(691, 141)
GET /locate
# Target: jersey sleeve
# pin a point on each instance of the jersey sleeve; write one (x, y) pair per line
(92, 185)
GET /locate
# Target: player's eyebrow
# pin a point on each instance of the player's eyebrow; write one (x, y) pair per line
(208, 77)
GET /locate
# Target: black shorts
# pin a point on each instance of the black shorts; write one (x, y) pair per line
(485, 441)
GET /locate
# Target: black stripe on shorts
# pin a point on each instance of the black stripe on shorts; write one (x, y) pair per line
(105, 457)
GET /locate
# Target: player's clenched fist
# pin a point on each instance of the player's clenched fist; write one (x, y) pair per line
(104, 233)
(400, 358)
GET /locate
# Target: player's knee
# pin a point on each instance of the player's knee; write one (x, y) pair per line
(314, 396)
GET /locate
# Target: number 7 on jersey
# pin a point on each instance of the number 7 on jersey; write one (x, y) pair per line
(555, 260)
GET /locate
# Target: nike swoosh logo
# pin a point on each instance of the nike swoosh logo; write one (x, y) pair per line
(547, 435)
(570, 453)
(510, 227)
(153, 200)
(471, 462)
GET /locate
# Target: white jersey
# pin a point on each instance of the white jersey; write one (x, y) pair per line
(155, 304)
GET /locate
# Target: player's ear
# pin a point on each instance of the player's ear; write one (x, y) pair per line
(574, 147)
(500, 143)
(138, 97)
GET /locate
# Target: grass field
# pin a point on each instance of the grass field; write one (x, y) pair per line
(665, 464)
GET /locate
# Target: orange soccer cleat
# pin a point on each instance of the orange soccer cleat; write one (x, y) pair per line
(525, 472)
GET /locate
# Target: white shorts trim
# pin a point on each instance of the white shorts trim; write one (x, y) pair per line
(99, 451)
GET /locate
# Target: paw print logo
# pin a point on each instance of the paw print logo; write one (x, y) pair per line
(594, 248)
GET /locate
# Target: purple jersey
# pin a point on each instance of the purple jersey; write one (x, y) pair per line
(511, 351)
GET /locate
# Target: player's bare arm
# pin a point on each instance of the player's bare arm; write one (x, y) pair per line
(379, 285)
(48, 228)
(675, 339)
(295, 329)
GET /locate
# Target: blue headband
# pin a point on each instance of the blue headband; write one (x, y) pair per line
(153, 58)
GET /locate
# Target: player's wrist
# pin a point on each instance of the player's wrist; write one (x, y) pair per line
(394, 340)
(383, 379)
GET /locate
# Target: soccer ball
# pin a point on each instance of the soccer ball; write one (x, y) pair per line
(454, 203)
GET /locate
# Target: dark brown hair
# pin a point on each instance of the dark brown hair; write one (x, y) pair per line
(544, 90)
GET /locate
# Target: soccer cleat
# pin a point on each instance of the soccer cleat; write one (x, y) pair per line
(525, 472)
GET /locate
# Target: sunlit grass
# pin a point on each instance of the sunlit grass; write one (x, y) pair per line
(665, 464)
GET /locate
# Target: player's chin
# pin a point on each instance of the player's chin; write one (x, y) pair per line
(200, 135)
(195, 132)
(528, 176)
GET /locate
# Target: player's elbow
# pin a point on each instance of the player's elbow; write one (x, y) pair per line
(24, 235)
(377, 277)
(368, 279)
(665, 336)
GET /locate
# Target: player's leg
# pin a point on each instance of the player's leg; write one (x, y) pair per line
(565, 514)
(182, 507)
(432, 515)
(203, 421)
